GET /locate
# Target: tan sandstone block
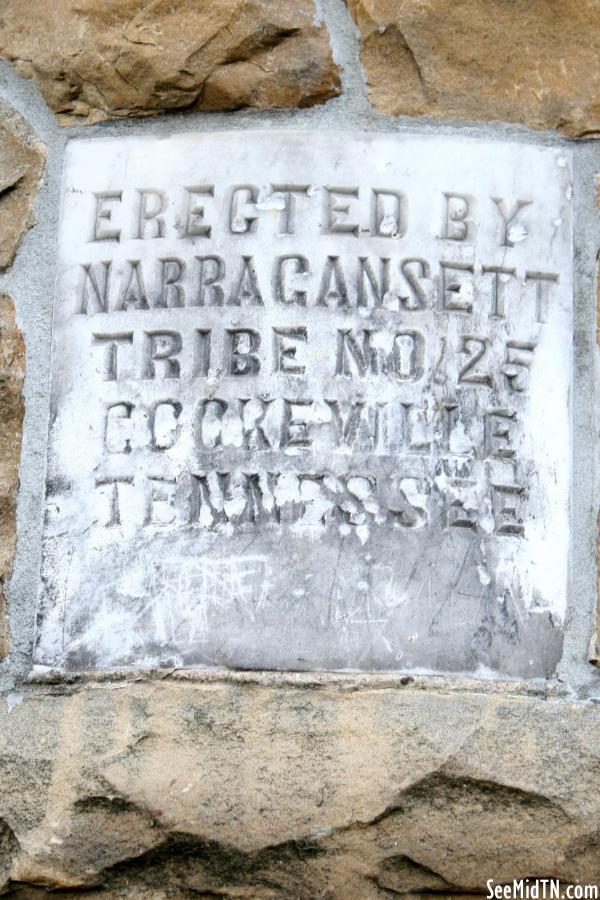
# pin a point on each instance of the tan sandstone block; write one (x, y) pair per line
(12, 373)
(22, 158)
(177, 788)
(533, 62)
(102, 59)
(594, 648)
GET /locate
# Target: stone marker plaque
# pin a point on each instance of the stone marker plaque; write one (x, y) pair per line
(310, 404)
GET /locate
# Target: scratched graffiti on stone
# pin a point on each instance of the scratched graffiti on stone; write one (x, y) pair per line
(180, 601)
(310, 405)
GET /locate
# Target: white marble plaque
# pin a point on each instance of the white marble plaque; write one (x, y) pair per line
(310, 404)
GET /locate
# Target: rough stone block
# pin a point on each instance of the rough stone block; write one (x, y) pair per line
(100, 60)
(172, 789)
(12, 373)
(532, 62)
(22, 158)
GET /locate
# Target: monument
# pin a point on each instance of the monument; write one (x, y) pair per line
(310, 404)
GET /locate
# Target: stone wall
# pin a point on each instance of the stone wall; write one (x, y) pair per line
(180, 784)
(525, 62)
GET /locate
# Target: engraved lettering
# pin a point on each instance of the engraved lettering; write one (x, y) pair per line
(160, 350)
(160, 501)
(151, 223)
(387, 214)
(451, 414)
(117, 439)
(246, 289)
(294, 429)
(325, 416)
(210, 423)
(457, 223)
(461, 510)
(172, 293)
(206, 506)
(202, 352)
(195, 225)
(337, 210)
(408, 355)
(369, 283)
(103, 214)
(111, 344)
(243, 346)
(289, 193)
(406, 513)
(512, 232)
(501, 276)
(349, 349)
(299, 266)
(333, 284)
(418, 295)
(519, 359)
(543, 281)
(219, 497)
(133, 294)
(113, 519)
(165, 423)
(210, 276)
(457, 286)
(497, 433)
(285, 342)
(253, 416)
(346, 427)
(94, 288)
(506, 504)
(471, 373)
(241, 219)
(411, 426)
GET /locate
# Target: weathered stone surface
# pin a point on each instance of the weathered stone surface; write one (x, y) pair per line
(22, 157)
(300, 430)
(594, 648)
(12, 373)
(100, 59)
(174, 789)
(527, 61)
